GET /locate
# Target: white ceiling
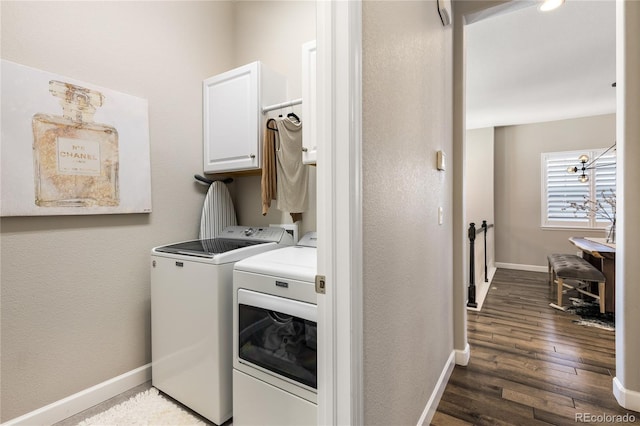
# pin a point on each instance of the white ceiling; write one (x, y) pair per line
(527, 66)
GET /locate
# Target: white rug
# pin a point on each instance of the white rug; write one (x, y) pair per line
(147, 408)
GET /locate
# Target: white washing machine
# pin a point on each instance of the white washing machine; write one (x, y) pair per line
(191, 315)
(274, 337)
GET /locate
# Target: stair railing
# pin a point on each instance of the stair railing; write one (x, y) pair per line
(471, 299)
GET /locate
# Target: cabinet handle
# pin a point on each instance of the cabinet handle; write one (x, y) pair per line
(252, 156)
(304, 149)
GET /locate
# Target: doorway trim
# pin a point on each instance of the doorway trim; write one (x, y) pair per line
(339, 108)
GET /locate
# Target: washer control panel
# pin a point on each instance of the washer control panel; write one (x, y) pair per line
(254, 233)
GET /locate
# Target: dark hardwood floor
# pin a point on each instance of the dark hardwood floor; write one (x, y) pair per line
(530, 364)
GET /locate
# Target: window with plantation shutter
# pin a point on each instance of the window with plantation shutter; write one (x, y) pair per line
(605, 183)
(560, 188)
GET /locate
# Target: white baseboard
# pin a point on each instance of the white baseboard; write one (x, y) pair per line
(626, 398)
(432, 405)
(492, 271)
(531, 268)
(82, 400)
(462, 357)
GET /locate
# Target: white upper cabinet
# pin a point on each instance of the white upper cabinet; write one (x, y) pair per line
(233, 119)
(309, 144)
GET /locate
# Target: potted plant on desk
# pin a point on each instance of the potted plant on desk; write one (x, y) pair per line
(602, 208)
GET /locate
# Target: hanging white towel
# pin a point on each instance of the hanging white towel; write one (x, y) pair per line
(293, 176)
(217, 211)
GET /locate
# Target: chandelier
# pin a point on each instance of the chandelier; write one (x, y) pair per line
(583, 167)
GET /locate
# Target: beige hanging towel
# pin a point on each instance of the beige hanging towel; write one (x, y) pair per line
(268, 182)
(293, 176)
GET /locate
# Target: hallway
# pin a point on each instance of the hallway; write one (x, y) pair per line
(530, 364)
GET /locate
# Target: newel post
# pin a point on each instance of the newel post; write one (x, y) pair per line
(485, 227)
(472, 280)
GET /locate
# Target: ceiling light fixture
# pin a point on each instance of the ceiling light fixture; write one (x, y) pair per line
(583, 160)
(548, 5)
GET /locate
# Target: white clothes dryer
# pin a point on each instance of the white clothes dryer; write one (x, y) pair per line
(274, 337)
(191, 315)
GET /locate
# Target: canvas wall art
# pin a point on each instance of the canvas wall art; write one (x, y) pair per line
(70, 147)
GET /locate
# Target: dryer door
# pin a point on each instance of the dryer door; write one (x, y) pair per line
(278, 336)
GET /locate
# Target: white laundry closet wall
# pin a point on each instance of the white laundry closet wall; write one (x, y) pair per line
(75, 299)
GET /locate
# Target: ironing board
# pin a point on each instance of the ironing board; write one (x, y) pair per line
(217, 211)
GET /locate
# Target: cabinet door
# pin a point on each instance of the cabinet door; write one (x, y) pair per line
(231, 117)
(309, 103)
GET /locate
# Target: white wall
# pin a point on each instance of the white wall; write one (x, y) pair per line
(75, 290)
(479, 168)
(464, 11)
(520, 239)
(407, 257)
(273, 32)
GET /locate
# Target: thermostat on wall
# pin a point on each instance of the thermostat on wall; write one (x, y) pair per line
(441, 160)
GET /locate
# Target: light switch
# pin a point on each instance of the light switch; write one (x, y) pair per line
(440, 216)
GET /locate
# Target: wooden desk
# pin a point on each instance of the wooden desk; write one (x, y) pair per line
(602, 257)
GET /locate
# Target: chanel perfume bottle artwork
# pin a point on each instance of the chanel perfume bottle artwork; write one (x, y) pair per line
(75, 158)
(71, 147)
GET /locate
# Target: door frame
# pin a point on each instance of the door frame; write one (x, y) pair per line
(627, 380)
(339, 108)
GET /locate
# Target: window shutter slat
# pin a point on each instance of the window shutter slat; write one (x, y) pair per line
(562, 188)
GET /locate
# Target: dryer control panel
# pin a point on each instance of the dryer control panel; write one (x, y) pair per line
(310, 239)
